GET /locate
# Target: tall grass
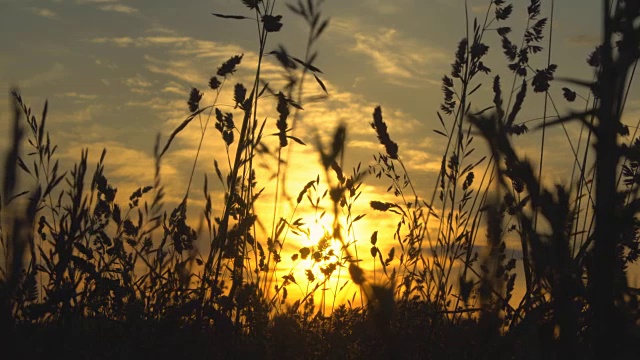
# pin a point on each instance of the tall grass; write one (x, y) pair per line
(84, 276)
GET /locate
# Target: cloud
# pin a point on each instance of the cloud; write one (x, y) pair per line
(178, 69)
(189, 53)
(56, 72)
(363, 144)
(175, 88)
(400, 59)
(105, 63)
(83, 115)
(162, 30)
(126, 169)
(138, 84)
(143, 41)
(119, 8)
(181, 45)
(384, 61)
(421, 160)
(187, 62)
(45, 13)
(156, 103)
(123, 41)
(110, 5)
(77, 96)
(185, 55)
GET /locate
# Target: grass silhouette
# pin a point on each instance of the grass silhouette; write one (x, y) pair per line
(85, 277)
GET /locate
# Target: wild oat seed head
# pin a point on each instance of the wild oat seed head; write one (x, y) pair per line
(272, 23)
(229, 67)
(383, 135)
(194, 99)
(214, 83)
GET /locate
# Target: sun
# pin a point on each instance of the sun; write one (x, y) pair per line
(321, 266)
(325, 252)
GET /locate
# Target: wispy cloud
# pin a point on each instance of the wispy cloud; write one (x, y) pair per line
(397, 57)
(77, 96)
(180, 69)
(188, 55)
(162, 30)
(138, 84)
(110, 5)
(84, 115)
(106, 63)
(188, 61)
(174, 88)
(45, 13)
(160, 104)
(56, 72)
(421, 160)
(119, 8)
(123, 41)
(144, 41)
(126, 168)
(181, 45)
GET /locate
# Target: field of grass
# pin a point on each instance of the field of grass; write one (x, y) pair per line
(82, 276)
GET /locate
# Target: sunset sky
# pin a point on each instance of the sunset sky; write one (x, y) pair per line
(118, 72)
